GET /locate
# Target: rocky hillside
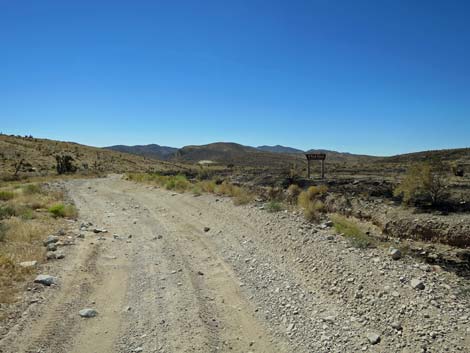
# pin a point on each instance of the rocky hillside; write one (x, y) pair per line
(38, 157)
(150, 151)
(457, 155)
(232, 153)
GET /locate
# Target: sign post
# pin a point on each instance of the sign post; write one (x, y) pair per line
(316, 157)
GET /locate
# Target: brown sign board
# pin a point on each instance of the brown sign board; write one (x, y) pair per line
(315, 156)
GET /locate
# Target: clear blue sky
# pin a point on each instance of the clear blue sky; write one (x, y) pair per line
(375, 77)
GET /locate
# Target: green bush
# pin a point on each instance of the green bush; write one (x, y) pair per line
(61, 210)
(3, 231)
(31, 189)
(352, 232)
(6, 195)
(196, 190)
(25, 213)
(7, 212)
(274, 206)
(422, 181)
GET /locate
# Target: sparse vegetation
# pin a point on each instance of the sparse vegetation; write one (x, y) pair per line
(350, 229)
(22, 230)
(311, 202)
(293, 192)
(65, 164)
(274, 206)
(6, 195)
(423, 182)
(64, 211)
(180, 183)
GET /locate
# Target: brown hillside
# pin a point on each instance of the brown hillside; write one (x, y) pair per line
(39, 157)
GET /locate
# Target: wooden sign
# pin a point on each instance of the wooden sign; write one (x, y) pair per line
(315, 156)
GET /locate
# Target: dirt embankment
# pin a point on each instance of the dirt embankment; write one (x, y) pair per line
(453, 229)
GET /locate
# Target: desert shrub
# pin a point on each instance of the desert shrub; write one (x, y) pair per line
(457, 170)
(293, 192)
(422, 182)
(64, 164)
(178, 182)
(242, 197)
(313, 210)
(274, 193)
(274, 206)
(7, 211)
(208, 185)
(6, 195)
(352, 232)
(31, 189)
(310, 202)
(196, 190)
(25, 212)
(204, 174)
(61, 210)
(3, 231)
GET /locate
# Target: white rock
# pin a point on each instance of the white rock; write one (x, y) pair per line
(373, 337)
(88, 312)
(417, 284)
(28, 264)
(45, 280)
(395, 254)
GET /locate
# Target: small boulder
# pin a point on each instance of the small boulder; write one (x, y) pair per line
(45, 280)
(395, 254)
(50, 255)
(373, 337)
(51, 239)
(206, 229)
(88, 312)
(60, 255)
(417, 284)
(52, 247)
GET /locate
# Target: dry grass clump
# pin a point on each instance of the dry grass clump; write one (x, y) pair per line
(350, 229)
(207, 186)
(6, 195)
(293, 192)
(311, 202)
(180, 183)
(170, 182)
(22, 228)
(63, 210)
(240, 195)
(274, 206)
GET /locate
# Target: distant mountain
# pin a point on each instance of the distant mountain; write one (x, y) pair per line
(233, 153)
(279, 149)
(150, 151)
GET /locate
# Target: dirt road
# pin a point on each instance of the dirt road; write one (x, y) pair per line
(253, 282)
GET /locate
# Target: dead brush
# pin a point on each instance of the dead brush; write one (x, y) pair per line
(21, 241)
(311, 203)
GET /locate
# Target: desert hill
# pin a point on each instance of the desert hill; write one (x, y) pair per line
(150, 151)
(38, 157)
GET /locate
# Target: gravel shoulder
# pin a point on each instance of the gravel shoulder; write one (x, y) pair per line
(253, 282)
